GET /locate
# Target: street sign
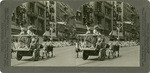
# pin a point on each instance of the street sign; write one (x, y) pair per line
(63, 23)
(128, 22)
(118, 22)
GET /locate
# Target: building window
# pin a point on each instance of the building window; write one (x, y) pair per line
(78, 16)
(108, 24)
(52, 10)
(107, 11)
(41, 24)
(31, 6)
(13, 17)
(47, 14)
(99, 20)
(41, 12)
(31, 20)
(119, 8)
(99, 6)
(118, 17)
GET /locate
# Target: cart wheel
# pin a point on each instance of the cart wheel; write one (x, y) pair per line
(109, 55)
(85, 55)
(19, 56)
(36, 55)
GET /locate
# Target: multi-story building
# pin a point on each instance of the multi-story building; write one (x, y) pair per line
(42, 15)
(109, 16)
(30, 13)
(130, 14)
(125, 16)
(65, 20)
(96, 13)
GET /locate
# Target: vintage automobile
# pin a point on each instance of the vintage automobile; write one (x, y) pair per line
(91, 45)
(26, 45)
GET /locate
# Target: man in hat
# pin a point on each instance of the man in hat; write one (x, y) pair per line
(95, 31)
(30, 30)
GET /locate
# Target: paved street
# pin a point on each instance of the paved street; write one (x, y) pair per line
(66, 56)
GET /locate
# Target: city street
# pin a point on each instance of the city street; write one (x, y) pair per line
(66, 56)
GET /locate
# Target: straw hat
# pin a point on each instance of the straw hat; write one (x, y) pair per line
(30, 27)
(96, 27)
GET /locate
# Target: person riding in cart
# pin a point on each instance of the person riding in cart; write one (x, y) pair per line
(101, 46)
(30, 30)
(34, 43)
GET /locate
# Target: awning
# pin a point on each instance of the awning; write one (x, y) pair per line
(52, 22)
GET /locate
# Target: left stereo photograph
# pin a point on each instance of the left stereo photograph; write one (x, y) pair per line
(36, 40)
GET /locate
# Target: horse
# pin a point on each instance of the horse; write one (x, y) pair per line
(47, 48)
(113, 50)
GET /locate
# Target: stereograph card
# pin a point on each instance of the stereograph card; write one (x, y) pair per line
(74, 36)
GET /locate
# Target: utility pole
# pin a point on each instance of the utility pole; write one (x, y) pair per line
(121, 22)
(118, 28)
(55, 17)
(54, 23)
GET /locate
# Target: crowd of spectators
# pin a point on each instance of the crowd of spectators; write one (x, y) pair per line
(61, 43)
(127, 43)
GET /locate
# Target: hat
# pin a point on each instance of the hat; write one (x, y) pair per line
(30, 27)
(96, 27)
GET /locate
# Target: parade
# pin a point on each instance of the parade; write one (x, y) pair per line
(50, 33)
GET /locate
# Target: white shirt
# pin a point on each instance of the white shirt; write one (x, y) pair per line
(96, 32)
(30, 33)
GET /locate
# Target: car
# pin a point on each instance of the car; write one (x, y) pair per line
(91, 45)
(26, 45)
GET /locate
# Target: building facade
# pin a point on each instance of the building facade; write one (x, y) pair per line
(96, 13)
(109, 16)
(42, 15)
(30, 13)
(125, 16)
(130, 14)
